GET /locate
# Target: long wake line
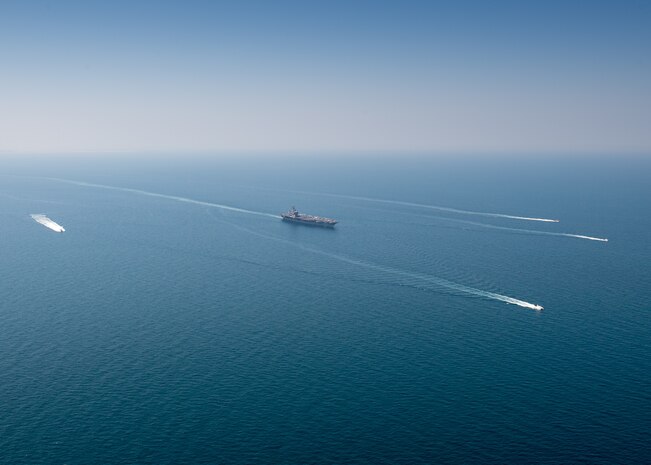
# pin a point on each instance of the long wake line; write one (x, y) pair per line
(386, 269)
(163, 196)
(434, 280)
(526, 231)
(432, 207)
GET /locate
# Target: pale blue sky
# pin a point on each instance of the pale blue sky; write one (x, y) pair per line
(301, 76)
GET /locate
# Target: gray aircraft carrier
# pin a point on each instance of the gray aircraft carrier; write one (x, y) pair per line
(295, 217)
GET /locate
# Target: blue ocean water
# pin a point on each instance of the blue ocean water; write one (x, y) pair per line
(160, 331)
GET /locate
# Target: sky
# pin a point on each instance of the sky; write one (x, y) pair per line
(314, 76)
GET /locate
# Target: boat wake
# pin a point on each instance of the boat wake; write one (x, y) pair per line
(418, 280)
(432, 207)
(47, 222)
(520, 230)
(433, 280)
(579, 236)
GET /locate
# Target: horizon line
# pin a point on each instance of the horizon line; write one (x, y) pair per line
(320, 152)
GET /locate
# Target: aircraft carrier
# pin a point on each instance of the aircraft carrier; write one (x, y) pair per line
(295, 217)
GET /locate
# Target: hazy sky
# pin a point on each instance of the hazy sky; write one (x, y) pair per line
(325, 76)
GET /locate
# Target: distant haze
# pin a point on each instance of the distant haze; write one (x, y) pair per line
(339, 76)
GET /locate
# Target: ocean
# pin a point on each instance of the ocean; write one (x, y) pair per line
(178, 320)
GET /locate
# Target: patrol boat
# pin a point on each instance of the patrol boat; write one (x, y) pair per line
(295, 217)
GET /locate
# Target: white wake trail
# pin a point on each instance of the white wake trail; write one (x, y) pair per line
(520, 230)
(429, 279)
(47, 222)
(432, 207)
(435, 280)
(590, 238)
(164, 196)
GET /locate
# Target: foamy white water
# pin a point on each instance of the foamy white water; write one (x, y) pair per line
(164, 196)
(47, 222)
(590, 238)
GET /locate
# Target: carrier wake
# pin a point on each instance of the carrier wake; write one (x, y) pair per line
(164, 196)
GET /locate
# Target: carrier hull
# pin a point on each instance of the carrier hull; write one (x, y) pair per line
(309, 223)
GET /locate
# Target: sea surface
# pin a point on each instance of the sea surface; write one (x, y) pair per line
(168, 329)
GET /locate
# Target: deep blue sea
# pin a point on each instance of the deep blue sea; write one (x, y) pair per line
(159, 330)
